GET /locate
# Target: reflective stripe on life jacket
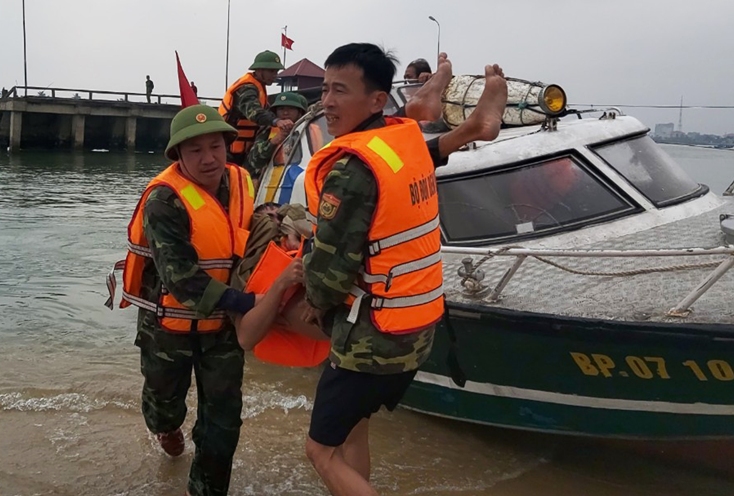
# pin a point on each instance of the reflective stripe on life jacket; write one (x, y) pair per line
(246, 130)
(217, 236)
(280, 345)
(402, 272)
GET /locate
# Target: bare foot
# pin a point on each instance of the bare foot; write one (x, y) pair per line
(483, 124)
(426, 103)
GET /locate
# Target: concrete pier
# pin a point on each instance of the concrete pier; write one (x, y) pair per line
(51, 122)
(77, 130)
(16, 126)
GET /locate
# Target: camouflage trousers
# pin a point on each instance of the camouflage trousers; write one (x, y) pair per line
(166, 361)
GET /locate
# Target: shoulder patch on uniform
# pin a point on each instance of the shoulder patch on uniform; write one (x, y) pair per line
(329, 206)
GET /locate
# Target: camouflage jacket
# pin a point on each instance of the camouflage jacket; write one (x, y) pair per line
(332, 267)
(261, 152)
(247, 100)
(175, 261)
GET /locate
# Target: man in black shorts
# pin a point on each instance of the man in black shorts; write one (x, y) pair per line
(381, 337)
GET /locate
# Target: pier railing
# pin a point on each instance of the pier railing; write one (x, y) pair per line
(85, 94)
(472, 277)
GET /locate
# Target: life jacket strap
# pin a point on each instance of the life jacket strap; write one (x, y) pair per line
(375, 247)
(378, 303)
(112, 284)
(174, 313)
(143, 251)
(402, 269)
(406, 301)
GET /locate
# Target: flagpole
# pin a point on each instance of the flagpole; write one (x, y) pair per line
(285, 29)
(25, 57)
(226, 64)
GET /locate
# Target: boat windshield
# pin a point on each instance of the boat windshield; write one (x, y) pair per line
(644, 164)
(406, 92)
(525, 201)
(324, 138)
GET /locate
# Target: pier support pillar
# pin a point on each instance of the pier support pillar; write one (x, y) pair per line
(131, 126)
(16, 127)
(77, 129)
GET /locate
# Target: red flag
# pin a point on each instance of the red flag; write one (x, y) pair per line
(188, 98)
(286, 42)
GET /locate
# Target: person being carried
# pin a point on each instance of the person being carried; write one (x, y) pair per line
(245, 105)
(381, 319)
(286, 227)
(189, 228)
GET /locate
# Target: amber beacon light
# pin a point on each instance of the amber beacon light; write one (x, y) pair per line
(552, 100)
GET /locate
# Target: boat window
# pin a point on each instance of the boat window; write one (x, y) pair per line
(407, 92)
(525, 201)
(318, 134)
(391, 106)
(644, 164)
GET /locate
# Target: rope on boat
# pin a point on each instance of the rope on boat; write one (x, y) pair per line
(627, 273)
(473, 286)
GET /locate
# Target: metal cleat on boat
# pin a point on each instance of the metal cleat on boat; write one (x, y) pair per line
(471, 278)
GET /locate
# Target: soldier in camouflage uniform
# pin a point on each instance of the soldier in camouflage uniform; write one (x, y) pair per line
(247, 104)
(167, 358)
(368, 368)
(288, 106)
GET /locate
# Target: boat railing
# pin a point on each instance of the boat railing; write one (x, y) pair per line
(472, 277)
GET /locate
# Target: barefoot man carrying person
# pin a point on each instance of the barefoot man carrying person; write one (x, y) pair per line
(374, 277)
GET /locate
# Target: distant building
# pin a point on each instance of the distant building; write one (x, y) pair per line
(664, 130)
(301, 75)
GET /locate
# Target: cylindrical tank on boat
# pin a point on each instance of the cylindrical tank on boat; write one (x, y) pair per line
(525, 100)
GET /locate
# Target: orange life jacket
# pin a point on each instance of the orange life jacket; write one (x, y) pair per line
(402, 273)
(217, 237)
(280, 345)
(246, 130)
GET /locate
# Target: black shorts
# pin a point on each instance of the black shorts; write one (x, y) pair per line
(344, 398)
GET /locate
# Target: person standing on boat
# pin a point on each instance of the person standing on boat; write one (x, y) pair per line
(194, 89)
(245, 105)
(373, 200)
(189, 228)
(148, 87)
(418, 70)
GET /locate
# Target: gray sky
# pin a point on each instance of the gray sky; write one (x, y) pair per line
(600, 51)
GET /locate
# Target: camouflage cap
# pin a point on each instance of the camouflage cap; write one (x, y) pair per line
(193, 121)
(290, 99)
(267, 60)
(293, 220)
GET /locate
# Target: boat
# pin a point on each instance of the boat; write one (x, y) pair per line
(587, 282)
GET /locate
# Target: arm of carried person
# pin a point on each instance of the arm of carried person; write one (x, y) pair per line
(166, 227)
(346, 206)
(253, 325)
